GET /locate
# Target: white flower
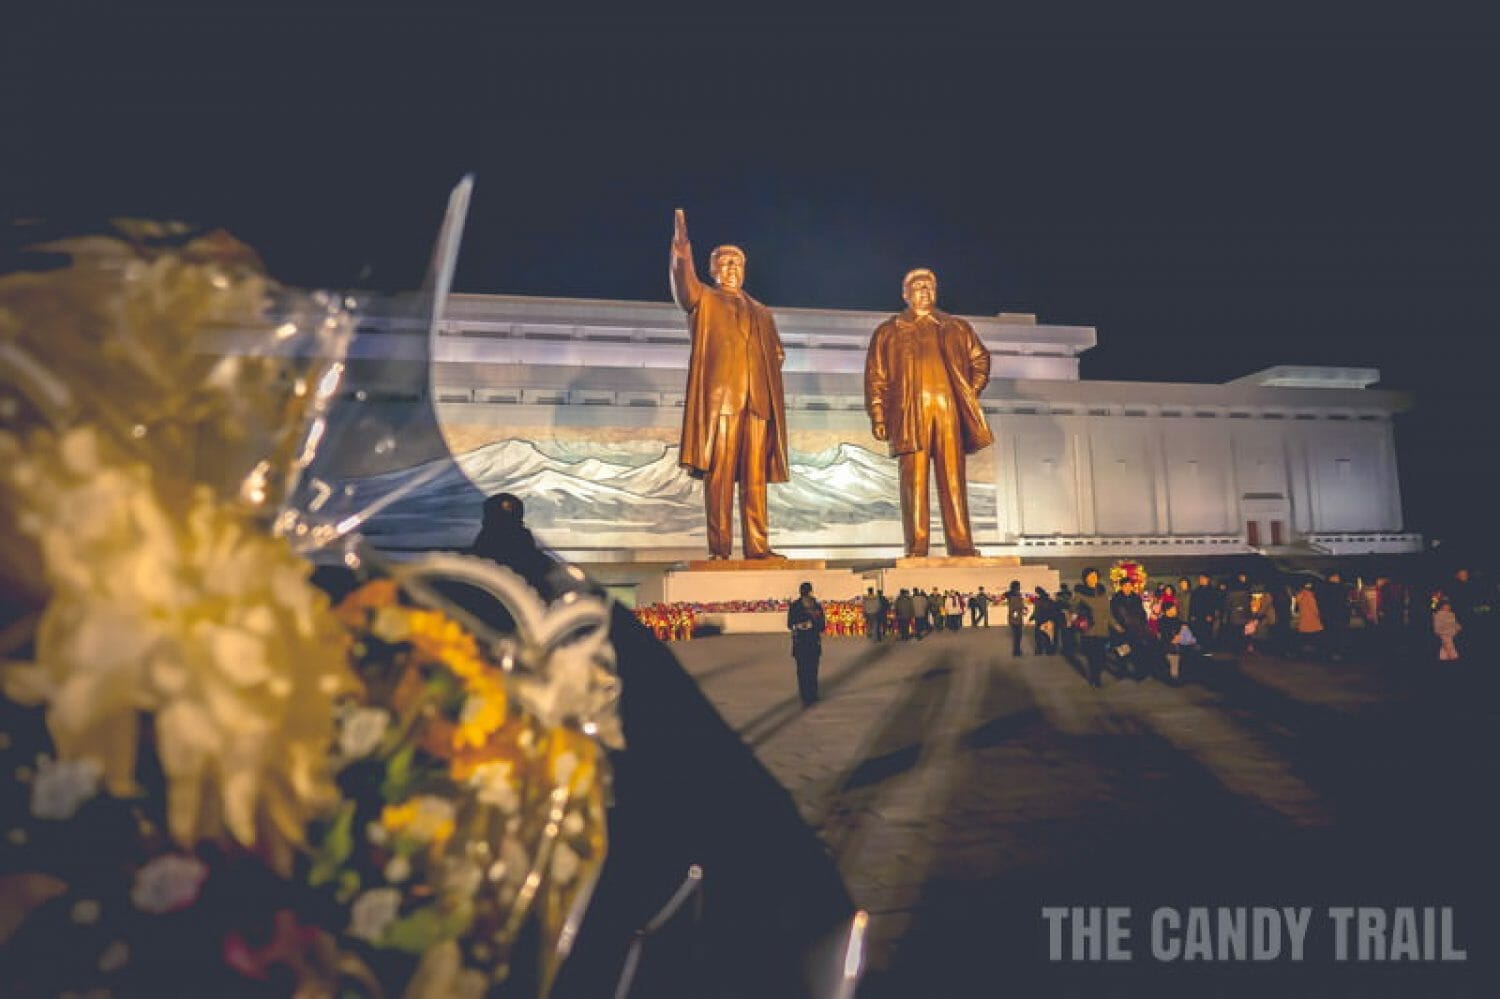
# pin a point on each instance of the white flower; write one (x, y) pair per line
(494, 784)
(565, 864)
(563, 767)
(361, 731)
(372, 912)
(470, 984)
(432, 819)
(397, 869)
(462, 879)
(168, 883)
(390, 625)
(61, 787)
(176, 606)
(514, 861)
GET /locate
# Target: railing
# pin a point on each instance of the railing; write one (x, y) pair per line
(1225, 544)
(1371, 542)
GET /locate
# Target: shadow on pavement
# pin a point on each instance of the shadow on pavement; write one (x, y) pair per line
(1044, 818)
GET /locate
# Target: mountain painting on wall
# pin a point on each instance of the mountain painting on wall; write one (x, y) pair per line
(622, 497)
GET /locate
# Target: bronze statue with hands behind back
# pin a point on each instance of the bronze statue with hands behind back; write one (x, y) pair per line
(924, 373)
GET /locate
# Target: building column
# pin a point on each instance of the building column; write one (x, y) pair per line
(1083, 465)
(1300, 485)
(1157, 455)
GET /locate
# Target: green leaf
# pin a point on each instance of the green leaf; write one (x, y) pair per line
(335, 848)
(398, 776)
(349, 884)
(446, 691)
(421, 929)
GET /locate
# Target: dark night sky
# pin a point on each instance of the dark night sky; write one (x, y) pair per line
(1214, 198)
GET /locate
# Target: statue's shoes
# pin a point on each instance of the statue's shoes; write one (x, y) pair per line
(967, 553)
(718, 558)
(767, 555)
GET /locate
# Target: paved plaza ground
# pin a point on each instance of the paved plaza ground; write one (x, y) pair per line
(961, 790)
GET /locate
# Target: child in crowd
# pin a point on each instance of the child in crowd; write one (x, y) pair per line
(1446, 627)
(1171, 629)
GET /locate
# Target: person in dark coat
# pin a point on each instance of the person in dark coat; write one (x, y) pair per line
(921, 612)
(1184, 599)
(504, 538)
(1281, 604)
(1237, 604)
(1460, 592)
(874, 612)
(805, 620)
(979, 609)
(1390, 609)
(1131, 627)
(1203, 609)
(1015, 614)
(1044, 623)
(1333, 607)
(1091, 610)
(1067, 633)
(905, 610)
(1168, 629)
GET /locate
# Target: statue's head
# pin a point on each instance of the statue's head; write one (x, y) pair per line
(919, 289)
(727, 264)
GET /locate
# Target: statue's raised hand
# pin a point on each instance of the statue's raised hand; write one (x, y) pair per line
(679, 231)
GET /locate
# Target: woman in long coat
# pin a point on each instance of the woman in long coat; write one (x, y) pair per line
(1309, 622)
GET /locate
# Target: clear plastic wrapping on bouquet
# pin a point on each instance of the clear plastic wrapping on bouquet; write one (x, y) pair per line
(180, 439)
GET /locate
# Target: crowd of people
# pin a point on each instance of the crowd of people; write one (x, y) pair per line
(668, 622)
(1149, 629)
(676, 622)
(1139, 630)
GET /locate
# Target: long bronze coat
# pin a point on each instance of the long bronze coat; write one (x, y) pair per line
(714, 366)
(891, 390)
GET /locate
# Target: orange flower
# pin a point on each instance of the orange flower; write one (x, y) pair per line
(371, 596)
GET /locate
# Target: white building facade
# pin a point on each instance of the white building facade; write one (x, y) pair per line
(576, 406)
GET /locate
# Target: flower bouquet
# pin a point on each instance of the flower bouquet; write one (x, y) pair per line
(1126, 569)
(215, 780)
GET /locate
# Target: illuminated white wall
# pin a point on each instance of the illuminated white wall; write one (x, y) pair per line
(1197, 457)
(580, 402)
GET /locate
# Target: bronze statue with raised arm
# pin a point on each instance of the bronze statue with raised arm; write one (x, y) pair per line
(923, 375)
(734, 415)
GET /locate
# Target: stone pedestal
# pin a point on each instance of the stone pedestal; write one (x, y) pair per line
(964, 578)
(956, 561)
(731, 623)
(769, 580)
(754, 564)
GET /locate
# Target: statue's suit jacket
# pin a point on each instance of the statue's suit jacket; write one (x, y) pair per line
(714, 373)
(891, 389)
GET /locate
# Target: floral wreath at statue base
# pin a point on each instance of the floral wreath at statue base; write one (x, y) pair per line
(1128, 569)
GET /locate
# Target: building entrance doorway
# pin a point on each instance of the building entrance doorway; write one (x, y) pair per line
(1267, 518)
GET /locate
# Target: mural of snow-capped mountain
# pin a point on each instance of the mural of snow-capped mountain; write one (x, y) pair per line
(633, 498)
